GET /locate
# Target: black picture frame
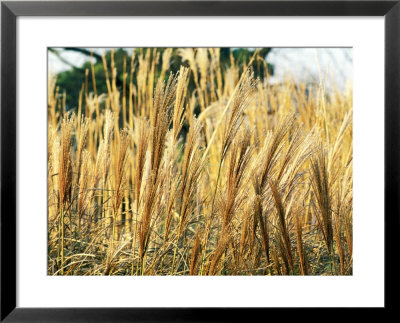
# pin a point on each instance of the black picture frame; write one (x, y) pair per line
(10, 10)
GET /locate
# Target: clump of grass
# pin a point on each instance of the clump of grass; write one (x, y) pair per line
(208, 171)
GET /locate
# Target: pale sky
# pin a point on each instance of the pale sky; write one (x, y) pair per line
(335, 64)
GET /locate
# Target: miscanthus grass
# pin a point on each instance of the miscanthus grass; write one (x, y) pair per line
(208, 171)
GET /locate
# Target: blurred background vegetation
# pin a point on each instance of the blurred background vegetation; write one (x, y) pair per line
(72, 79)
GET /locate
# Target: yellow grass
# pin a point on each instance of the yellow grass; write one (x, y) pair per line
(232, 176)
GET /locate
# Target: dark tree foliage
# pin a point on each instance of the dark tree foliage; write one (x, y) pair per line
(72, 81)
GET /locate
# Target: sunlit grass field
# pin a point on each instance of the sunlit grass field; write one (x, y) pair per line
(211, 170)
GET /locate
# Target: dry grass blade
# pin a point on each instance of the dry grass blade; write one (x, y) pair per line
(321, 187)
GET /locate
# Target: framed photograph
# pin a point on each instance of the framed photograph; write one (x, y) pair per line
(197, 160)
